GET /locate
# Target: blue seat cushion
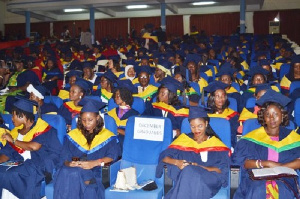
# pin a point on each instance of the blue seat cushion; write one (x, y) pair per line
(135, 194)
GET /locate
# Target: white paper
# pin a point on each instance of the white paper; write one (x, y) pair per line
(273, 171)
(149, 129)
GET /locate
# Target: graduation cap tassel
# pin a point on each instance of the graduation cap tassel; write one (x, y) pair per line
(39, 111)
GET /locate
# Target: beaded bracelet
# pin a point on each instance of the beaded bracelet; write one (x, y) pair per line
(260, 164)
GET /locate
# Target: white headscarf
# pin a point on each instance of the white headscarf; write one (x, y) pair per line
(126, 71)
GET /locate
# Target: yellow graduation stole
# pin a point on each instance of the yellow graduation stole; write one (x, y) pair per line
(202, 83)
(147, 93)
(277, 65)
(185, 143)
(63, 94)
(113, 113)
(105, 94)
(184, 112)
(72, 108)
(148, 36)
(231, 90)
(245, 65)
(100, 140)
(209, 73)
(39, 128)
(227, 114)
(134, 81)
(260, 137)
(285, 83)
(246, 114)
(118, 74)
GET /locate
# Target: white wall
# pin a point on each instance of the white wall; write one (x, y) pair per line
(249, 22)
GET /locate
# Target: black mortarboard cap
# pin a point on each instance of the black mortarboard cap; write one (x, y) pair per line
(273, 96)
(197, 112)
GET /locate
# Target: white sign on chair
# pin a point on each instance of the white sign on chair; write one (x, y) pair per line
(149, 129)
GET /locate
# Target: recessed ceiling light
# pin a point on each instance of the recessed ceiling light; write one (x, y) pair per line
(73, 10)
(136, 6)
(203, 3)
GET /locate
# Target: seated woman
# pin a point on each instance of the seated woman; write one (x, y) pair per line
(168, 105)
(146, 91)
(130, 73)
(71, 108)
(37, 94)
(225, 75)
(88, 72)
(292, 76)
(85, 149)
(269, 146)
(189, 92)
(35, 143)
(105, 89)
(51, 74)
(218, 103)
(70, 79)
(123, 98)
(198, 162)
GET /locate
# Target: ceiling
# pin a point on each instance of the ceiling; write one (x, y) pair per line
(52, 10)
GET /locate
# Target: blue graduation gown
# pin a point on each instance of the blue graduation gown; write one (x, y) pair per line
(194, 181)
(48, 107)
(69, 181)
(24, 181)
(55, 72)
(176, 121)
(250, 189)
(66, 114)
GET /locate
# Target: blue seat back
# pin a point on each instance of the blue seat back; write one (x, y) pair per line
(221, 127)
(141, 153)
(110, 124)
(138, 104)
(252, 124)
(57, 122)
(232, 103)
(54, 99)
(284, 69)
(294, 85)
(297, 112)
(74, 122)
(196, 87)
(251, 102)
(8, 121)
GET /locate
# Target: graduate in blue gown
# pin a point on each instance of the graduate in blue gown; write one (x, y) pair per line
(71, 108)
(269, 146)
(34, 143)
(168, 105)
(51, 74)
(218, 103)
(123, 98)
(85, 150)
(198, 162)
(37, 94)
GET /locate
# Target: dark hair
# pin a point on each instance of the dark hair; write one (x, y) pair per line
(261, 112)
(211, 102)
(116, 65)
(81, 89)
(21, 113)
(90, 136)
(209, 131)
(109, 82)
(172, 97)
(125, 95)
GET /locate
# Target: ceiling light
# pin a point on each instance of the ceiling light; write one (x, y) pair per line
(73, 10)
(136, 6)
(203, 3)
(276, 19)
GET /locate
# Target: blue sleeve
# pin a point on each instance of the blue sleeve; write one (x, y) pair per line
(12, 154)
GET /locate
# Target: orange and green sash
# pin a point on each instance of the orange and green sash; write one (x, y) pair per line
(183, 112)
(147, 93)
(260, 137)
(227, 114)
(113, 113)
(188, 93)
(72, 108)
(272, 190)
(285, 83)
(39, 128)
(185, 143)
(77, 138)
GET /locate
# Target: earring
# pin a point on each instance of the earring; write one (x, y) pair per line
(79, 97)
